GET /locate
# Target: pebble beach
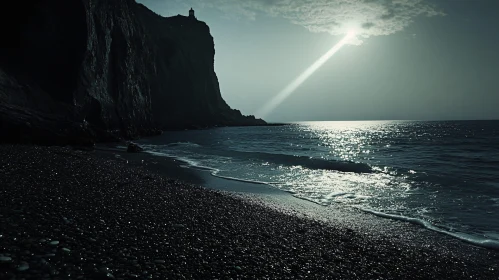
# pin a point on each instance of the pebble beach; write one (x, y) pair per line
(71, 214)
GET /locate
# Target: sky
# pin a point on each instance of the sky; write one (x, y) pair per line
(313, 60)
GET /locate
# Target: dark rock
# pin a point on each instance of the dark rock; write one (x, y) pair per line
(103, 273)
(134, 148)
(99, 275)
(23, 266)
(77, 72)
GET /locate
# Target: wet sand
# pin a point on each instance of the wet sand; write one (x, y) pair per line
(69, 214)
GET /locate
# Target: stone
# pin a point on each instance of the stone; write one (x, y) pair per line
(102, 274)
(179, 226)
(5, 259)
(23, 266)
(134, 148)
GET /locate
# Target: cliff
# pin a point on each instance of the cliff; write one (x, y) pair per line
(89, 70)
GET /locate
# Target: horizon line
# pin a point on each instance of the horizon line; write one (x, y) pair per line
(373, 120)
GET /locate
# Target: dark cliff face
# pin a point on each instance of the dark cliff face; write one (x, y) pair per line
(81, 69)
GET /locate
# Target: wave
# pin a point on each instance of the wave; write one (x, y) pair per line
(185, 144)
(288, 160)
(308, 162)
(168, 145)
(468, 238)
(337, 194)
(187, 161)
(240, 180)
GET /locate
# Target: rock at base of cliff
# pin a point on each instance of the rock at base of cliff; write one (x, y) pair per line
(134, 148)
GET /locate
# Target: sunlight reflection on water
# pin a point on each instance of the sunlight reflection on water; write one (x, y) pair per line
(439, 172)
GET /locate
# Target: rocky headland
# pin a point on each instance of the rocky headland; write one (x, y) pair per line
(95, 70)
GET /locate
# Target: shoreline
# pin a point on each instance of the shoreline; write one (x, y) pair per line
(284, 201)
(108, 216)
(406, 230)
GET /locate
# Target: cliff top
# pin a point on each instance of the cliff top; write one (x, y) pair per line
(174, 21)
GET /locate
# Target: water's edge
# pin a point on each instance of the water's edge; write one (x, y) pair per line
(267, 189)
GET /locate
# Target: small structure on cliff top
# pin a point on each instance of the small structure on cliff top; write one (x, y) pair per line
(191, 14)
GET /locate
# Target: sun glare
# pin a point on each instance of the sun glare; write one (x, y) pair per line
(288, 90)
(351, 32)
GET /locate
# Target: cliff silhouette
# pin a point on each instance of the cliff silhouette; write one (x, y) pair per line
(94, 70)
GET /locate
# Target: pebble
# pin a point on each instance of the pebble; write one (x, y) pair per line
(23, 266)
(104, 269)
(5, 259)
(178, 226)
(179, 231)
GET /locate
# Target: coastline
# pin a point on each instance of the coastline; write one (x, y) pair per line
(69, 212)
(406, 229)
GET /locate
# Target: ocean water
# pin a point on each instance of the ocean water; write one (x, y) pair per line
(443, 175)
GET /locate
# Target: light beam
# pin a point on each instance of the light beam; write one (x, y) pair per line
(288, 90)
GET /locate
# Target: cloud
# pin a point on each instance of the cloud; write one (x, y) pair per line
(368, 17)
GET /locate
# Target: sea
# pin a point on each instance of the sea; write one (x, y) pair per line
(441, 175)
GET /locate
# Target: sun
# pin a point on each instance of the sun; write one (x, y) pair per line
(351, 32)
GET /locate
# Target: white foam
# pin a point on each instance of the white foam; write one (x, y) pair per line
(188, 144)
(300, 196)
(475, 240)
(238, 180)
(159, 154)
(333, 195)
(189, 162)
